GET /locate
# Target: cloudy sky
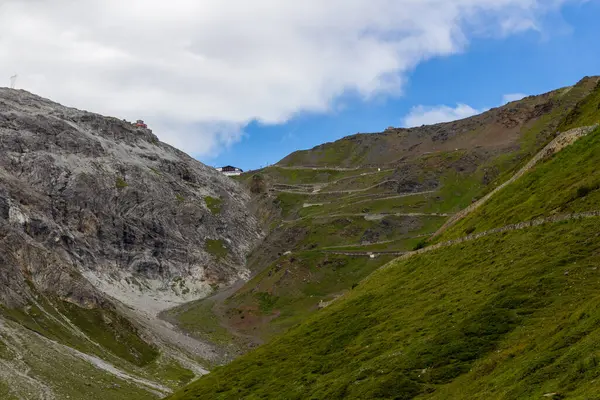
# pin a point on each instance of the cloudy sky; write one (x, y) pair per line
(246, 82)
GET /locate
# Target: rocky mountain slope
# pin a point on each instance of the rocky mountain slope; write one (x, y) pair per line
(102, 226)
(500, 304)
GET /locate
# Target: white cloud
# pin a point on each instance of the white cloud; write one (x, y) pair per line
(428, 115)
(201, 70)
(507, 98)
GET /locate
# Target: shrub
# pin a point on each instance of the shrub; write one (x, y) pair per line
(257, 185)
(266, 302)
(470, 230)
(420, 245)
(584, 190)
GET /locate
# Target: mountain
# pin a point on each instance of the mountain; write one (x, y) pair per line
(452, 261)
(326, 220)
(495, 131)
(447, 261)
(102, 227)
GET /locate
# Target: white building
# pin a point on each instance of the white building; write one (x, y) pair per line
(230, 171)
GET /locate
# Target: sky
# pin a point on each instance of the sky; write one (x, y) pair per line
(245, 83)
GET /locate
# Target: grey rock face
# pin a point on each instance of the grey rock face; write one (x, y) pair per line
(92, 204)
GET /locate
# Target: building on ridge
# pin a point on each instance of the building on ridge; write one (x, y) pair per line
(230, 170)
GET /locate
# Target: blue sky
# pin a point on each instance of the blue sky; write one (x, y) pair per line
(531, 62)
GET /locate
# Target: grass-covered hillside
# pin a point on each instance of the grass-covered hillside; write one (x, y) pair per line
(487, 319)
(568, 182)
(507, 315)
(52, 347)
(325, 224)
(325, 220)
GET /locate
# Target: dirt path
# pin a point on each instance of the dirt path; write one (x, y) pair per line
(321, 168)
(398, 196)
(518, 226)
(560, 142)
(363, 253)
(280, 187)
(219, 310)
(507, 228)
(367, 216)
(342, 246)
(313, 188)
(173, 341)
(348, 191)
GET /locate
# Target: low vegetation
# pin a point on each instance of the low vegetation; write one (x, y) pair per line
(170, 372)
(120, 183)
(111, 331)
(5, 392)
(489, 318)
(214, 204)
(466, 322)
(586, 113)
(291, 288)
(535, 195)
(100, 332)
(199, 320)
(217, 248)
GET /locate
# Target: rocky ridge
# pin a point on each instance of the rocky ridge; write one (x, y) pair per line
(97, 200)
(102, 227)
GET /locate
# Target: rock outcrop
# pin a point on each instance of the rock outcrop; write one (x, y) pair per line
(92, 205)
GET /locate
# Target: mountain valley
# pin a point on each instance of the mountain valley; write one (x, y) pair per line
(467, 311)
(458, 260)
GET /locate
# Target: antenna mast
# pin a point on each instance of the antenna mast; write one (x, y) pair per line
(13, 81)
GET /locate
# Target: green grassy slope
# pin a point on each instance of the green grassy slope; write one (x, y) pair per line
(568, 182)
(332, 154)
(511, 315)
(488, 319)
(337, 224)
(585, 113)
(341, 210)
(289, 287)
(45, 330)
(114, 334)
(284, 293)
